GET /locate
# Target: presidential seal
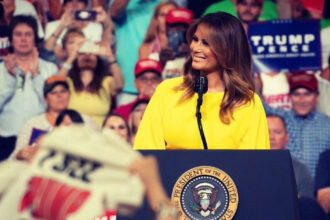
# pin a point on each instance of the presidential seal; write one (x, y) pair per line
(205, 193)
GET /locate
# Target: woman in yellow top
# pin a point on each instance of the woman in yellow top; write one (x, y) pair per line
(232, 113)
(88, 69)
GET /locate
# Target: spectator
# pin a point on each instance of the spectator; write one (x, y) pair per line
(136, 115)
(248, 11)
(322, 182)
(269, 11)
(147, 77)
(68, 117)
(308, 129)
(21, 7)
(95, 30)
(156, 38)
(90, 85)
(4, 45)
(131, 19)
(56, 95)
(324, 86)
(174, 55)
(119, 125)
(72, 42)
(22, 76)
(278, 139)
(275, 89)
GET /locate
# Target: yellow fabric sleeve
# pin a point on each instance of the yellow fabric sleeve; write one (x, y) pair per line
(168, 124)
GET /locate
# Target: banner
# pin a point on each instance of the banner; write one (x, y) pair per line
(285, 45)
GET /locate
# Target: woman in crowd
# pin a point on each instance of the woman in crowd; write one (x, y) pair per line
(118, 124)
(232, 113)
(136, 115)
(156, 38)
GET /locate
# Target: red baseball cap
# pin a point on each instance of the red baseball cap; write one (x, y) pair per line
(305, 80)
(179, 15)
(144, 65)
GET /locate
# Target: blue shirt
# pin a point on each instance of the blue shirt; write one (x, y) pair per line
(308, 137)
(21, 99)
(130, 30)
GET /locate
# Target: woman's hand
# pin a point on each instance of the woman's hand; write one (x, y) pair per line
(10, 62)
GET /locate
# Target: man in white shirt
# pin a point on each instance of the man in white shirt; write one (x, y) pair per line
(22, 76)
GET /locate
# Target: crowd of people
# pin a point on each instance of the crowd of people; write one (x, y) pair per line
(105, 63)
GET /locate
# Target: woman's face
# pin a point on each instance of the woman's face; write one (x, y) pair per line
(74, 42)
(87, 61)
(161, 16)
(118, 125)
(203, 58)
(137, 113)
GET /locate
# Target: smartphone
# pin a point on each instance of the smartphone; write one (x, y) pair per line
(85, 15)
(89, 47)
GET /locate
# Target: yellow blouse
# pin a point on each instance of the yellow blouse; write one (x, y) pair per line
(92, 104)
(167, 124)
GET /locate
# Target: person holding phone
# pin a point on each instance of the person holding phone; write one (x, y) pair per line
(232, 113)
(95, 24)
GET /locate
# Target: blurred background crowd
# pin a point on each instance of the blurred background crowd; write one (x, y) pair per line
(99, 62)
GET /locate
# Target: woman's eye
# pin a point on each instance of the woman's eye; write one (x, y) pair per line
(194, 38)
(205, 43)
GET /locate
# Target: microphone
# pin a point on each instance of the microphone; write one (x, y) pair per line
(201, 86)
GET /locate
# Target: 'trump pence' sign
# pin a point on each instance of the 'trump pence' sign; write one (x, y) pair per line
(285, 45)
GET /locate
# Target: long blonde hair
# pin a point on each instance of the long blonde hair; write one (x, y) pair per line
(228, 41)
(153, 28)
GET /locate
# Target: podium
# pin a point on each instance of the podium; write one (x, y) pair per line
(264, 180)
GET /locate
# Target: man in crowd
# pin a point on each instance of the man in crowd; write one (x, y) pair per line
(278, 139)
(148, 74)
(248, 11)
(22, 76)
(131, 19)
(308, 129)
(322, 182)
(174, 56)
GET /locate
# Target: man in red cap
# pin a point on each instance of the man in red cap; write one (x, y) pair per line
(248, 11)
(174, 56)
(147, 75)
(308, 129)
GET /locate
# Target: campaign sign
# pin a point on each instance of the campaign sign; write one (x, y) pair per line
(285, 45)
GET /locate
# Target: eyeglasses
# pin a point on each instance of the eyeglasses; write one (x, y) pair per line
(145, 79)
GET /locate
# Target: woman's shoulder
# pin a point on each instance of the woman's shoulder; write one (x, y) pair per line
(170, 83)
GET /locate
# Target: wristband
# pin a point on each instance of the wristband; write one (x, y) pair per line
(66, 66)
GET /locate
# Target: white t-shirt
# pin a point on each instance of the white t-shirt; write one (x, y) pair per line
(93, 31)
(76, 174)
(275, 90)
(173, 68)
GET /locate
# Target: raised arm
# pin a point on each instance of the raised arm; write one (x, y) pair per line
(117, 8)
